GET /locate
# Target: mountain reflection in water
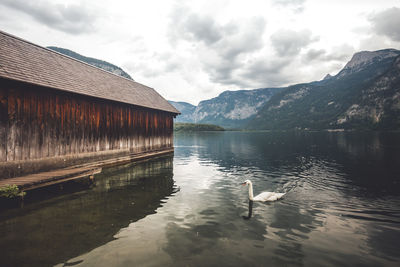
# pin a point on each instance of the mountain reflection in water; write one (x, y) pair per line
(341, 208)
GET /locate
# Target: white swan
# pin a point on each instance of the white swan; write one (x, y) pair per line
(264, 196)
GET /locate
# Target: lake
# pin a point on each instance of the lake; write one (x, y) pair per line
(341, 208)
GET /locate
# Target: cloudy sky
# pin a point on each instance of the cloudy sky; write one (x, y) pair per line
(194, 50)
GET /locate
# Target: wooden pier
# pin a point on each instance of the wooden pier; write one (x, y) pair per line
(42, 179)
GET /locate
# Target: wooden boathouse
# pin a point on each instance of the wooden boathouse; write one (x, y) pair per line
(58, 112)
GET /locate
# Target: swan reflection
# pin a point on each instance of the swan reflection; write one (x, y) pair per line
(250, 211)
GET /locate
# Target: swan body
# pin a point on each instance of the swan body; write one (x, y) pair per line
(264, 196)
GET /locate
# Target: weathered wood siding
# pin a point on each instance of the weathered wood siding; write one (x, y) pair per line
(37, 122)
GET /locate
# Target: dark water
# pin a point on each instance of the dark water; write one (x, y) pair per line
(341, 208)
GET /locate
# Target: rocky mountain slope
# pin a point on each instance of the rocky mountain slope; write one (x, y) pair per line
(186, 110)
(92, 61)
(365, 94)
(231, 109)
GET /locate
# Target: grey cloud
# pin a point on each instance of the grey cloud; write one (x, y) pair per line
(192, 27)
(267, 72)
(278, 71)
(203, 28)
(246, 39)
(290, 43)
(227, 40)
(222, 72)
(387, 23)
(259, 73)
(338, 53)
(220, 46)
(73, 19)
(341, 53)
(314, 54)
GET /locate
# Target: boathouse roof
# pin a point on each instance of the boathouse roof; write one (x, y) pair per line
(24, 61)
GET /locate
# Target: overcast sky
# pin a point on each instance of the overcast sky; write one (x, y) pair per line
(194, 50)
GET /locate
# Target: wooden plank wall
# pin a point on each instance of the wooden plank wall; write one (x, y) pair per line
(37, 122)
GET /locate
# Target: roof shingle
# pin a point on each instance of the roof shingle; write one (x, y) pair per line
(27, 62)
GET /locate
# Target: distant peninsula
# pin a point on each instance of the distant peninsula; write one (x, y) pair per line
(195, 127)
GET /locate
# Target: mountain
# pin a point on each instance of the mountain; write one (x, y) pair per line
(231, 109)
(186, 110)
(365, 94)
(92, 61)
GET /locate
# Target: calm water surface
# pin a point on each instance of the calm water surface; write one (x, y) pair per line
(341, 208)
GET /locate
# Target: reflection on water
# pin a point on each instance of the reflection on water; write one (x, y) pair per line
(248, 217)
(341, 208)
(52, 231)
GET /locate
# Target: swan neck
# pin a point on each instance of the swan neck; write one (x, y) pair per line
(251, 191)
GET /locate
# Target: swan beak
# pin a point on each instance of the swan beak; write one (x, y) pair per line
(243, 183)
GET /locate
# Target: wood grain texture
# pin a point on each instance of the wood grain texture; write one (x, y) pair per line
(38, 122)
(3, 124)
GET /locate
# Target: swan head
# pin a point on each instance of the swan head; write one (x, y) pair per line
(247, 182)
